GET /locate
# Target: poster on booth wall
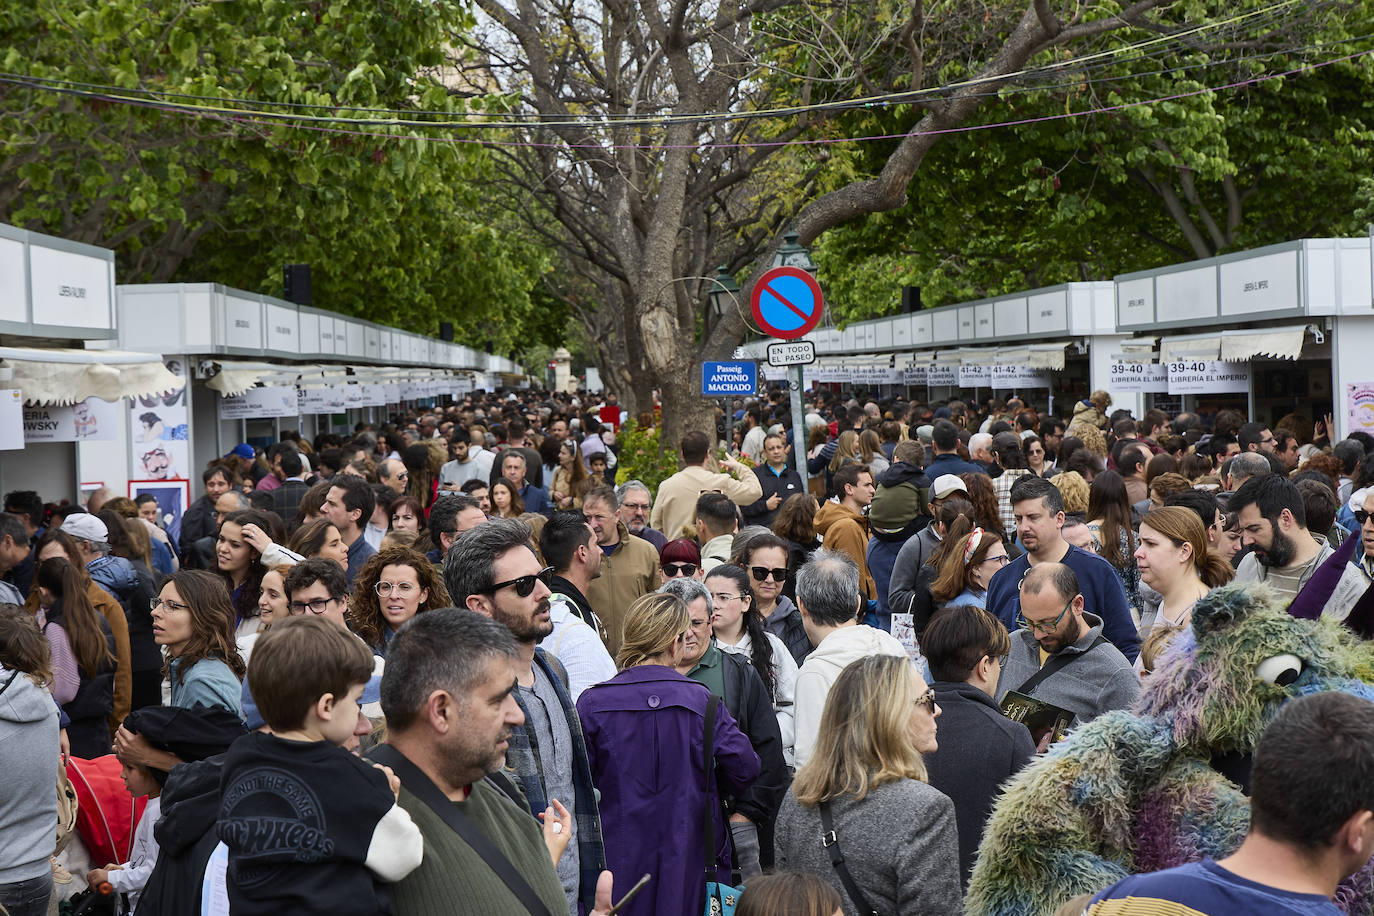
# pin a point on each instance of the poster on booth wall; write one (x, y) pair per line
(11, 419)
(91, 420)
(158, 431)
(173, 499)
(1359, 407)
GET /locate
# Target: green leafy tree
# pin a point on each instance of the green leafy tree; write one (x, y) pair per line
(195, 184)
(1208, 172)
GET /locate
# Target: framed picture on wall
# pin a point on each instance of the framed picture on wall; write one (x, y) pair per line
(173, 499)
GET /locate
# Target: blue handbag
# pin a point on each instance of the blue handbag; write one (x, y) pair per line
(721, 899)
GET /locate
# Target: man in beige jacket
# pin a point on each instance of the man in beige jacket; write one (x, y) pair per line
(675, 506)
(629, 565)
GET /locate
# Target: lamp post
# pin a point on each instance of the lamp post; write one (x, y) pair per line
(793, 254)
(721, 297)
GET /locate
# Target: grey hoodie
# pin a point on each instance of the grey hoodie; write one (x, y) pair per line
(29, 758)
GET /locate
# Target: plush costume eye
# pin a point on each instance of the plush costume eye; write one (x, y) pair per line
(1281, 669)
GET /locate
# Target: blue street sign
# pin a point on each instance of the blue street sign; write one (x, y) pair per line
(720, 380)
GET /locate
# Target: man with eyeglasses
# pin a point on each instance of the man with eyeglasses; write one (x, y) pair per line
(1038, 507)
(635, 506)
(629, 565)
(577, 640)
(492, 570)
(392, 473)
(1058, 652)
(319, 587)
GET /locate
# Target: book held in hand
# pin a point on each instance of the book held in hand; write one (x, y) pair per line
(1038, 716)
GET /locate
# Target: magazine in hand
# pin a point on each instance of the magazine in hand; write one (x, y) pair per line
(1037, 715)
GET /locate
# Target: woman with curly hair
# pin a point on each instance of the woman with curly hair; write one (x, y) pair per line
(1074, 491)
(569, 477)
(393, 586)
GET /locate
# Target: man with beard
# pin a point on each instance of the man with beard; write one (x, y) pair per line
(1283, 553)
(1058, 653)
(1038, 508)
(492, 570)
(450, 706)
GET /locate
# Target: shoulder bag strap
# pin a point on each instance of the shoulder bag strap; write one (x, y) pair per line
(832, 846)
(708, 760)
(1054, 663)
(419, 785)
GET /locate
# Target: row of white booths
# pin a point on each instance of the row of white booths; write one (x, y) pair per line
(1288, 328)
(136, 387)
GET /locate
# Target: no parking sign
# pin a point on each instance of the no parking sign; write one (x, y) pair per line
(787, 302)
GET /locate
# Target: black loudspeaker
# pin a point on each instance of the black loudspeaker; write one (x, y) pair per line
(911, 299)
(296, 283)
(446, 330)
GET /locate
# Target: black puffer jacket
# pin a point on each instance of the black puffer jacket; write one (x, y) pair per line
(185, 837)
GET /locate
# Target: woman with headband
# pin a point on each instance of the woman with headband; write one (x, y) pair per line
(965, 570)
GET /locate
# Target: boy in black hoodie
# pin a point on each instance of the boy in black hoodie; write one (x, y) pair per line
(309, 827)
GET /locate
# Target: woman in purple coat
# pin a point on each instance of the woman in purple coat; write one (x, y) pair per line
(645, 730)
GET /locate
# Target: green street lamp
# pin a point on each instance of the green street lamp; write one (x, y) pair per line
(722, 296)
(792, 254)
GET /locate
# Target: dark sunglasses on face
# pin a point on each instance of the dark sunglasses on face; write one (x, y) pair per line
(675, 569)
(1361, 516)
(761, 573)
(524, 584)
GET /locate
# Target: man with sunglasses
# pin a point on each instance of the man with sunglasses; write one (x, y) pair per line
(1058, 653)
(492, 570)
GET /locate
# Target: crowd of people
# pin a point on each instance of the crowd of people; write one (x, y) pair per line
(458, 657)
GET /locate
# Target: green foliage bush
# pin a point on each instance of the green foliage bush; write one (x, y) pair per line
(639, 457)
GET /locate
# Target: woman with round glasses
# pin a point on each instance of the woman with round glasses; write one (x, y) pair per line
(739, 629)
(765, 559)
(866, 783)
(394, 585)
(966, 568)
(680, 557)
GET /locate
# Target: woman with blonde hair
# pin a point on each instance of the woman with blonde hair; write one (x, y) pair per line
(846, 450)
(1074, 491)
(865, 785)
(789, 894)
(967, 567)
(1175, 561)
(655, 820)
(871, 452)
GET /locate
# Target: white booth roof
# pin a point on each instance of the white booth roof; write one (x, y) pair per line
(50, 287)
(210, 319)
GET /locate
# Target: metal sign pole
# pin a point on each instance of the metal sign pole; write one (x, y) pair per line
(799, 436)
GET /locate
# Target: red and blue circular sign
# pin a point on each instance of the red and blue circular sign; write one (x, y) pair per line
(787, 302)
